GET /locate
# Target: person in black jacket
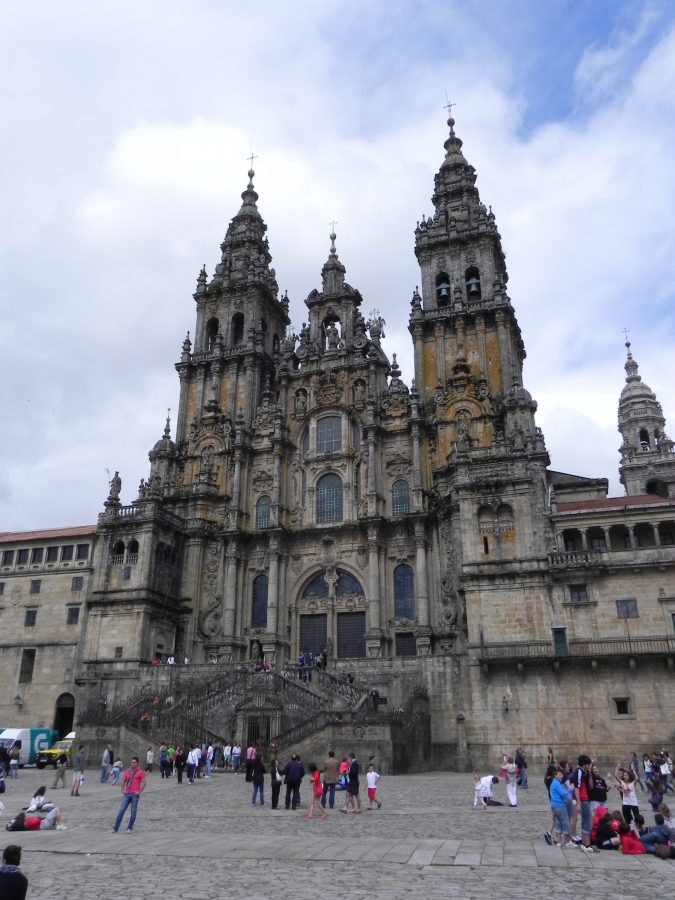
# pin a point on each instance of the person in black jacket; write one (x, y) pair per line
(293, 773)
(258, 778)
(13, 883)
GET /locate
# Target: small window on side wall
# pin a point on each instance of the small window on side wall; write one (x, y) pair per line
(621, 706)
(73, 615)
(578, 593)
(627, 608)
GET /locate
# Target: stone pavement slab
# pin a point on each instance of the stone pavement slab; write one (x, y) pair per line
(206, 841)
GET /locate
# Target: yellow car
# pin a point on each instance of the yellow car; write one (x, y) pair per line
(50, 757)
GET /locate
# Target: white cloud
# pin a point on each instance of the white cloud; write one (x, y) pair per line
(114, 217)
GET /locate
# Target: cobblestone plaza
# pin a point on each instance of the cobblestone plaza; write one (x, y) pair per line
(206, 841)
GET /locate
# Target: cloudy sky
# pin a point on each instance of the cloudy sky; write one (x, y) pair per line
(126, 127)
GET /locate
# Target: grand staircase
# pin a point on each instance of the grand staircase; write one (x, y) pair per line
(204, 702)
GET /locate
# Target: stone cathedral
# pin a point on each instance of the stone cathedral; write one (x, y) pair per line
(311, 500)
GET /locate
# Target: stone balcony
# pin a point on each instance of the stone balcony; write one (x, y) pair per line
(522, 651)
(637, 556)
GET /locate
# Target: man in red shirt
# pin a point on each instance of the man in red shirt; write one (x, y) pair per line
(133, 785)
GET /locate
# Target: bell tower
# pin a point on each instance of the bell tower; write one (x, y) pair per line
(468, 347)
(647, 458)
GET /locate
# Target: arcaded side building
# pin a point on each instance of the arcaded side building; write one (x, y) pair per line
(313, 500)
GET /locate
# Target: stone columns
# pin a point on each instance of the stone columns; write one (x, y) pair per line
(439, 334)
(273, 587)
(422, 601)
(230, 604)
(374, 617)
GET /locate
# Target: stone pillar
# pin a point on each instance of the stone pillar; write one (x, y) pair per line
(418, 346)
(439, 334)
(230, 604)
(273, 587)
(504, 359)
(422, 601)
(584, 540)
(181, 421)
(657, 535)
(276, 486)
(374, 616)
(482, 353)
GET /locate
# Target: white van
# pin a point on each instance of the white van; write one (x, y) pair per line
(29, 741)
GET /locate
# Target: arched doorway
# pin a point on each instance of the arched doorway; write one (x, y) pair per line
(64, 714)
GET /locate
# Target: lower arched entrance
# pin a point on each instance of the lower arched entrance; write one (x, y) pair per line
(64, 714)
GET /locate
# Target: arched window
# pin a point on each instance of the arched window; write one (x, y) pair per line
(237, 329)
(644, 439)
(118, 552)
(472, 282)
(211, 332)
(404, 592)
(400, 498)
(259, 604)
(262, 513)
(347, 584)
(505, 516)
(275, 343)
(442, 289)
(318, 587)
(132, 551)
(329, 499)
(329, 434)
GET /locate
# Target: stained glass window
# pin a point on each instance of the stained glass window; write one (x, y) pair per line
(404, 592)
(259, 605)
(262, 513)
(329, 499)
(318, 587)
(347, 584)
(400, 498)
(329, 434)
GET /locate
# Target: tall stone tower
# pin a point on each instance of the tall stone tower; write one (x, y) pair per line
(647, 458)
(485, 458)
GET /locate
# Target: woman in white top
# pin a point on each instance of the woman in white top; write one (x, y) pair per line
(626, 785)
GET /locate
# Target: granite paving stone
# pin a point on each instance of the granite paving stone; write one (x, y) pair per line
(206, 841)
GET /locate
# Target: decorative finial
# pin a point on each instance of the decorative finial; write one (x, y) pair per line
(451, 121)
(251, 173)
(333, 251)
(626, 332)
(167, 427)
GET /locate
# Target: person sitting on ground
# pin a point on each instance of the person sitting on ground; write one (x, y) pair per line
(606, 834)
(23, 822)
(39, 803)
(638, 825)
(659, 834)
(13, 883)
(483, 790)
(668, 819)
(630, 845)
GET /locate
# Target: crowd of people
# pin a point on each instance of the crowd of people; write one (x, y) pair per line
(580, 802)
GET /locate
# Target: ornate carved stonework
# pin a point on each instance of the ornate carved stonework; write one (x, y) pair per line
(328, 395)
(210, 619)
(398, 464)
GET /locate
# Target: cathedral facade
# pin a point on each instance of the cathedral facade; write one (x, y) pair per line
(310, 500)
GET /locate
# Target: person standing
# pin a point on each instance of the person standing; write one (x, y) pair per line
(13, 883)
(163, 761)
(106, 762)
(209, 760)
(193, 758)
(14, 755)
(258, 779)
(276, 780)
(330, 779)
(179, 760)
(236, 757)
(79, 765)
(133, 785)
(372, 778)
(582, 787)
(635, 769)
(61, 765)
(511, 778)
(293, 773)
(227, 755)
(353, 799)
(521, 764)
(317, 793)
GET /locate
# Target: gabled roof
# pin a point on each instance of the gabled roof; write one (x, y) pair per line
(51, 534)
(615, 503)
